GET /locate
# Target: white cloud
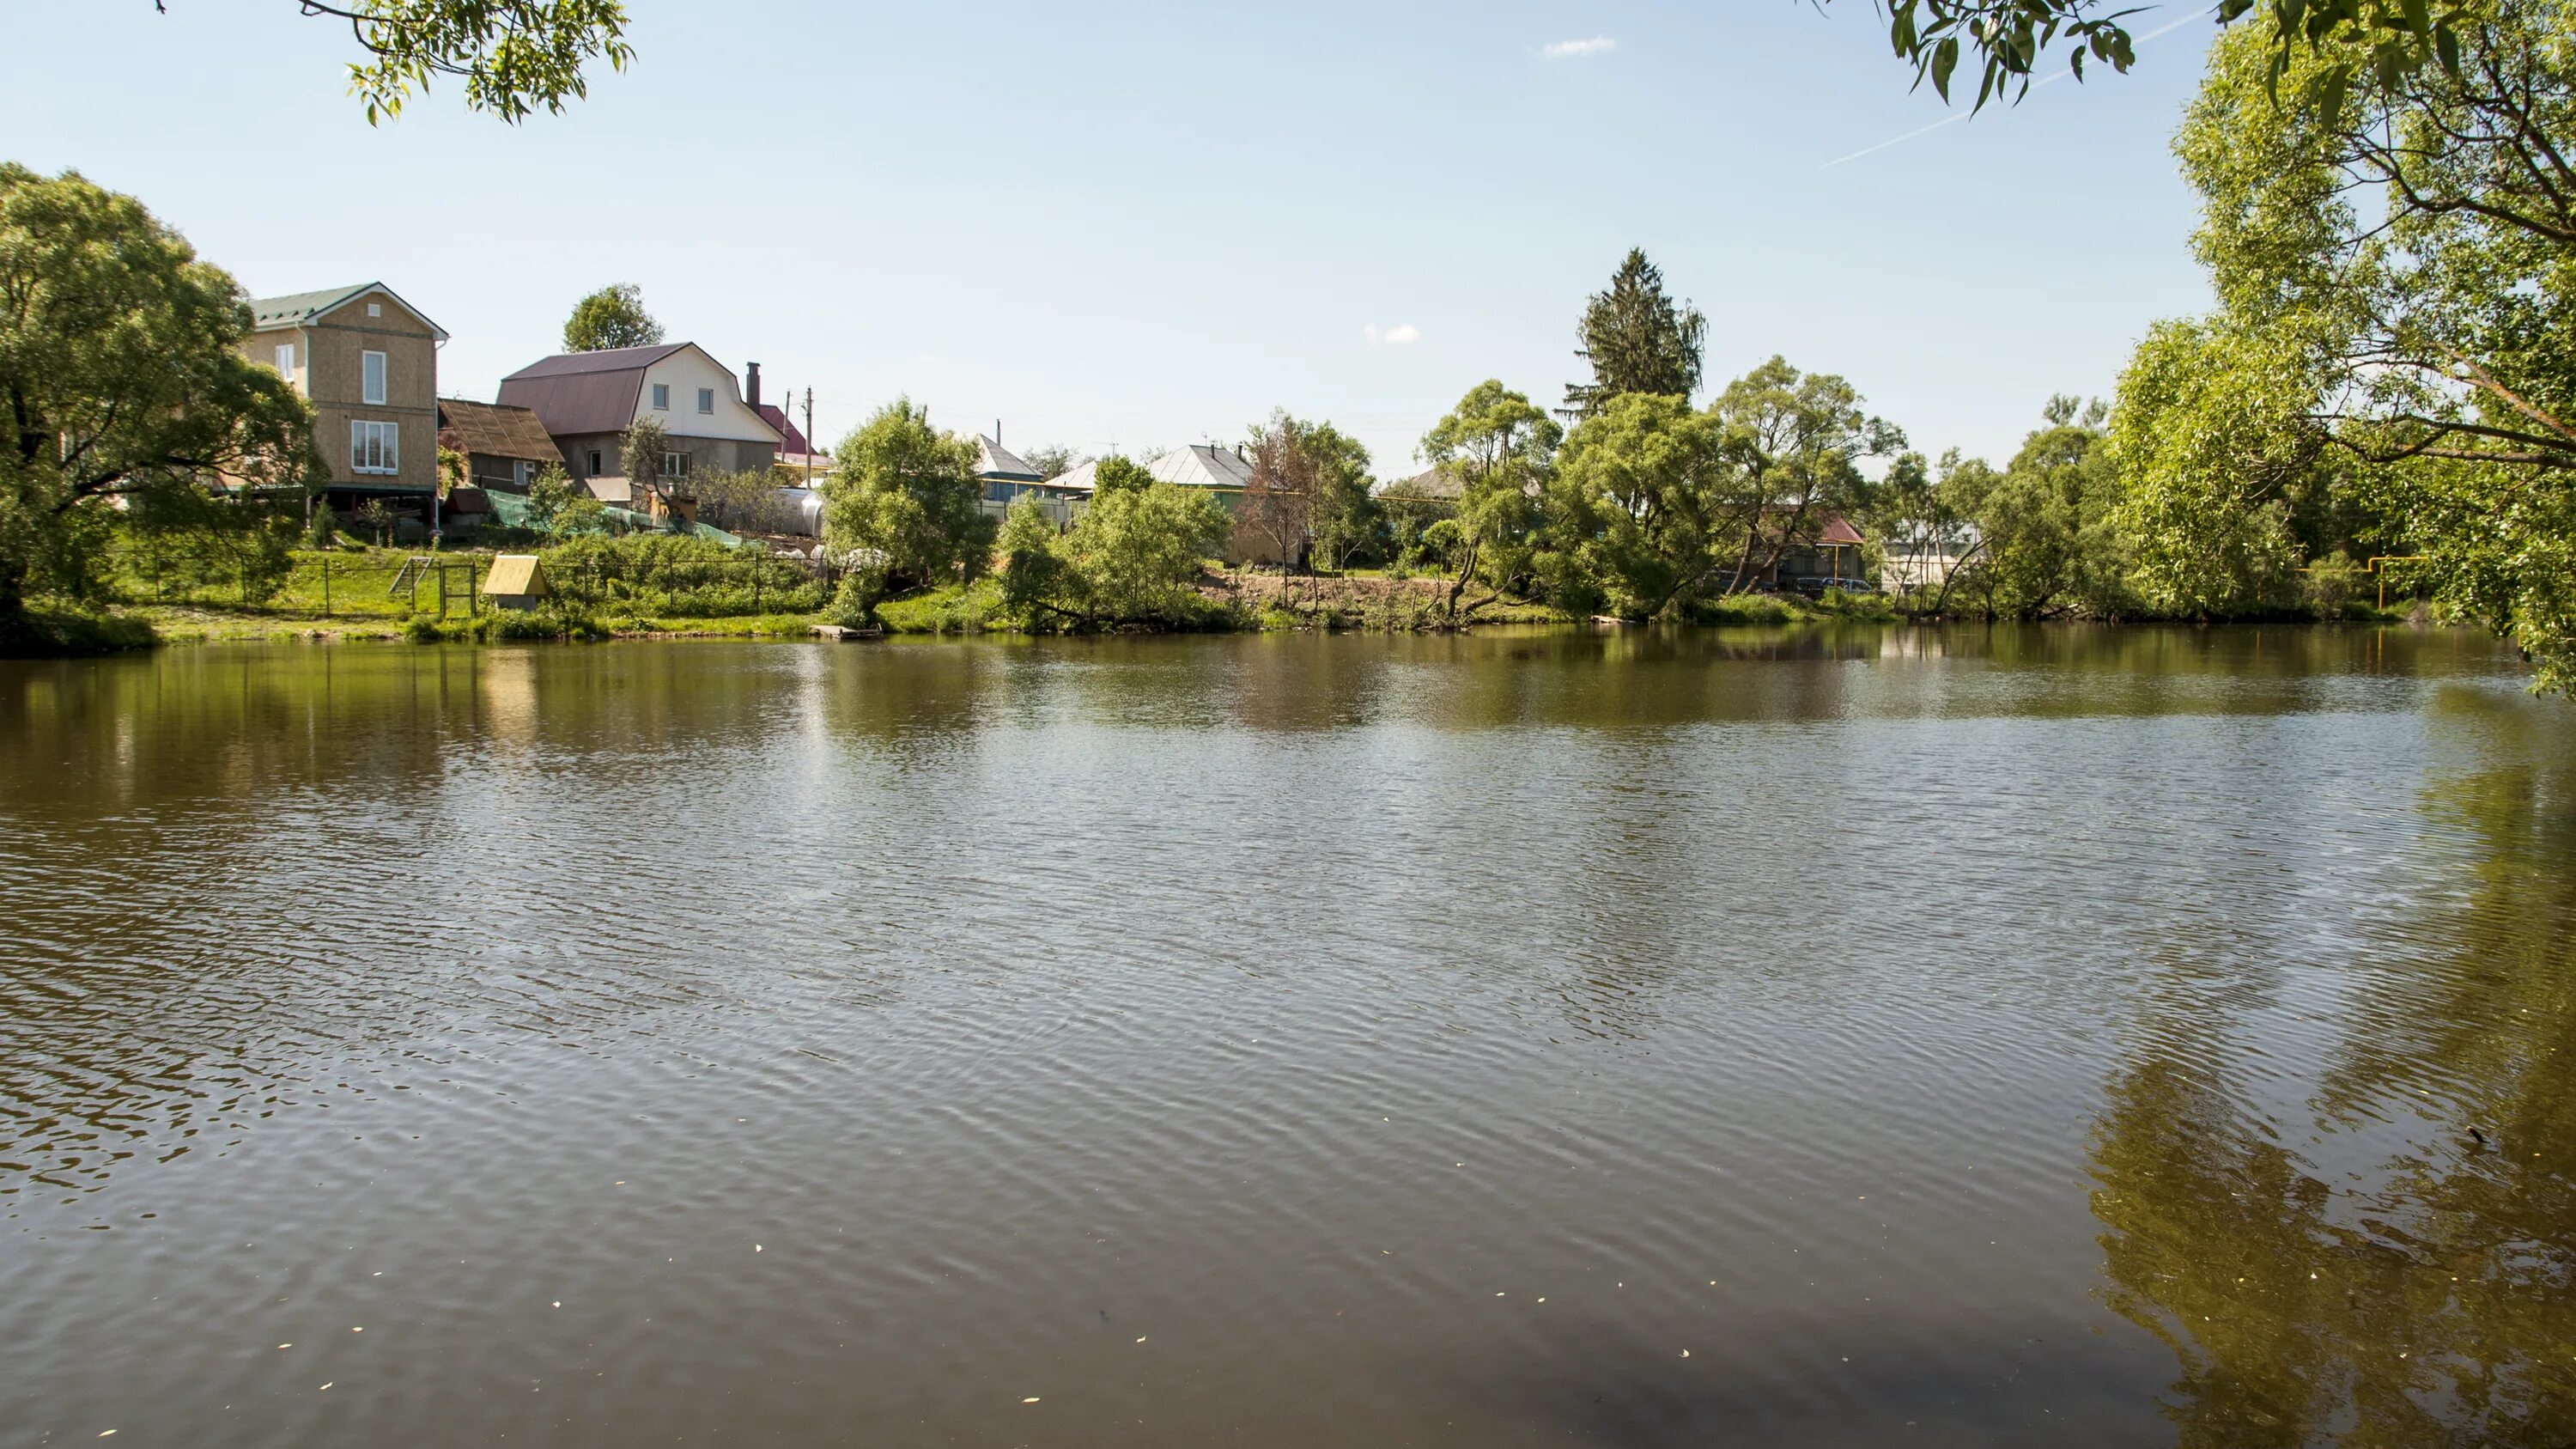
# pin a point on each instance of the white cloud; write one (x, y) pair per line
(1569, 49)
(1397, 335)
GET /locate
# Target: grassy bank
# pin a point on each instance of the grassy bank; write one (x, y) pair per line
(47, 631)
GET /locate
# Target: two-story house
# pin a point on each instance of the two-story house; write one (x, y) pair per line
(587, 401)
(368, 363)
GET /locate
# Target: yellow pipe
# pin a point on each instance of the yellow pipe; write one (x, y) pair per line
(2378, 559)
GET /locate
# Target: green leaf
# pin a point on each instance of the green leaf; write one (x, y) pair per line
(2331, 85)
(1945, 59)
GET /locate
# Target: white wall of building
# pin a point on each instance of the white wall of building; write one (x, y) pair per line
(686, 371)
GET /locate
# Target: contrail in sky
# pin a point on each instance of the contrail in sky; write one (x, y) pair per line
(1957, 116)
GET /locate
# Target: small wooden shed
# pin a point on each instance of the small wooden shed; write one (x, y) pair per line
(517, 581)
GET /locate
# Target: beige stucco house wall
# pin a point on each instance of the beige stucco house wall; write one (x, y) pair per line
(374, 421)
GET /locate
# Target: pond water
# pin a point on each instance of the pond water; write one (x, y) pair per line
(1979, 1037)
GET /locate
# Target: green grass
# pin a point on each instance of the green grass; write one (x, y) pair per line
(974, 608)
(1756, 609)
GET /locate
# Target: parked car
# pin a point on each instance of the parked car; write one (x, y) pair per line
(1814, 586)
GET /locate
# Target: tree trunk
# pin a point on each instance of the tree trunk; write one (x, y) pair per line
(13, 599)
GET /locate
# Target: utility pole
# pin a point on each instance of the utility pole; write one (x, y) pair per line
(809, 438)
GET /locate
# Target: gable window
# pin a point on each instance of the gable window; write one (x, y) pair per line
(375, 447)
(594, 462)
(286, 360)
(375, 309)
(371, 377)
(661, 397)
(675, 465)
(706, 399)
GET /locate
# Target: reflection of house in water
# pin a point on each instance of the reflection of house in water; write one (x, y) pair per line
(509, 687)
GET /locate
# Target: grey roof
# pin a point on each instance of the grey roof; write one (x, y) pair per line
(1434, 482)
(297, 308)
(992, 460)
(1201, 465)
(1196, 466)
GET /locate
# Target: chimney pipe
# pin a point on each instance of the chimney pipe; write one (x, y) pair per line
(751, 389)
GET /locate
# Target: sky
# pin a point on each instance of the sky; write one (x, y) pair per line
(1142, 225)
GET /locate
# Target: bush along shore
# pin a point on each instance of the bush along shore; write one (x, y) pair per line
(664, 587)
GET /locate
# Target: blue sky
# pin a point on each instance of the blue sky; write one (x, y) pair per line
(1148, 224)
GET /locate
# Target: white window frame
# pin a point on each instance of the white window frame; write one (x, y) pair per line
(661, 397)
(375, 378)
(521, 470)
(706, 399)
(286, 360)
(675, 465)
(375, 447)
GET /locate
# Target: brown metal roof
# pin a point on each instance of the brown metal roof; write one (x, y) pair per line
(1839, 531)
(584, 392)
(502, 432)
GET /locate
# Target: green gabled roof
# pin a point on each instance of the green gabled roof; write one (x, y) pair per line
(284, 311)
(297, 308)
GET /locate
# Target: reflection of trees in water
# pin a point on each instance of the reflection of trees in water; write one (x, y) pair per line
(2431, 1298)
(236, 868)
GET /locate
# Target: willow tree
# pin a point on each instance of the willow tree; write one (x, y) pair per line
(1650, 503)
(1499, 447)
(2392, 275)
(122, 375)
(903, 496)
(1804, 435)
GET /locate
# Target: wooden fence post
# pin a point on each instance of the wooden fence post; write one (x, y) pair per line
(326, 586)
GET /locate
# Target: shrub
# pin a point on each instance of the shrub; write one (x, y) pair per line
(1858, 605)
(421, 629)
(678, 576)
(551, 622)
(2327, 586)
(44, 632)
(1751, 609)
(955, 609)
(1131, 560)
